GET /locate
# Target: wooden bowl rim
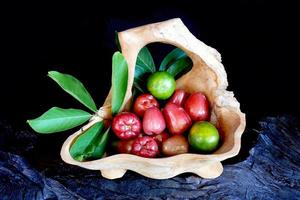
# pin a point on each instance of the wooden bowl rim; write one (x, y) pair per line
(100, 164)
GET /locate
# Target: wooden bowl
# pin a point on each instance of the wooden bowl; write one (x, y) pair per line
(207, 75)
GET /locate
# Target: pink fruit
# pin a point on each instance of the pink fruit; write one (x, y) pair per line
(197, 106)
(153, 121)
(159, 138)
(179, 97)
(145, 147)
(126, 125)
(143, 102)
(177, 120)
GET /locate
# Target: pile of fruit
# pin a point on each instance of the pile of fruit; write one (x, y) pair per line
(165, 122)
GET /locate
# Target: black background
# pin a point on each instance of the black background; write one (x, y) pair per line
(258, 42)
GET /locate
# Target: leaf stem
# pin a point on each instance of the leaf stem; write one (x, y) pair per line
(104, 113)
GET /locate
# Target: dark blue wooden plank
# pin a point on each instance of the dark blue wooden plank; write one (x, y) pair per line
(271, 171)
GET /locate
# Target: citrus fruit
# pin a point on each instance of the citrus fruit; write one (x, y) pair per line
(161, 85)
(203, 137)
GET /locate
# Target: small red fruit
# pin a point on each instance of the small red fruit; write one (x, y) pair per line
(126, 125)
(124, 146)
(175, 145)
(153, 121)
(178, 121)
(160, 138)
(179, 97)
(197, 107)
(143, 102)
(145, 147)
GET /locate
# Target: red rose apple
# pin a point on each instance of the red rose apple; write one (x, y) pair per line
(143, 102)
(160, 138)
(153, 121)
(197, 107)
(177, 144)
(124, 146)
(145, 147)
(177, 120)
(126, 125)
(179, 97)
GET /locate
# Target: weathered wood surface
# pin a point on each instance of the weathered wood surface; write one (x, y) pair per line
(271, 171)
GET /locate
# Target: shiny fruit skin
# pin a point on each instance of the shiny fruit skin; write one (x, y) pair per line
(203, 137)
(126, 125)
(197, 106)
(124, 146)
(179, 97)
(175, 145)
(161, 85)
(177, 120)
(153, 121)
(143, 102)
(160, 138)
(145, 146)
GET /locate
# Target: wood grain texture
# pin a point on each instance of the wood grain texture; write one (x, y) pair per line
(268, 170)
(207, 75)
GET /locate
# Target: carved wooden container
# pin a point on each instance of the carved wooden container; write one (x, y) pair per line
(207, 75)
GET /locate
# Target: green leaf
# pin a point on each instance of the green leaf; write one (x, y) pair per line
(58, 119)
(74, 87)
(145, 61)
(180, 67)
(101, 145)
(117, 41)
(119, 81)
(144, 66)
(138, 86)
(85, 144)
(140, 78)
(171, 58)
(140, 71)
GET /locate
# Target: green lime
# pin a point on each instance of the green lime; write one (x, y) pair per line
(204, 136)
(161, 85)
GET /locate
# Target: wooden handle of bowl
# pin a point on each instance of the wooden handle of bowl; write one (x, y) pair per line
(172, 32)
